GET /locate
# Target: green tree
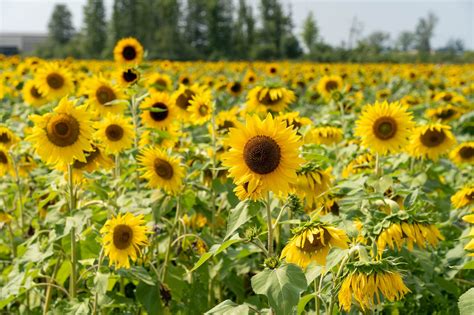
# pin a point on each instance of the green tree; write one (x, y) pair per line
(95, 28)
(274, 25)
(310, 32)
(60, 26)
(405, 40)
(196, 28)
(124, 19)
(219, 25)
(168, 36)
(424, 32)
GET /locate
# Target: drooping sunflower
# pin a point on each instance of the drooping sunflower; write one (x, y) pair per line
(127, 76)
(201, 108)
(264, 152)
(7, 137)
(159, 112)
(312, 242)
(128, 51)
(359, 164)
(294, 120)
(182, 99)
(116, 133)
(54, 81)
(101, 93)
(161, 170)
(64, 135)
(384, 127)
(463, 153)
(431, 141)
(312, 184)
(324, 135)
(444, 113)
(5, 162)
(463, 197)
(31, 94)
(159, 82)
(124, 238)
(329, 84)
(366, 281)
(275, 99)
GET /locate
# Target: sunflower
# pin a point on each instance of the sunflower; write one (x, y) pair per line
(263, 153)
(201, 108)
(410, 100)
(294, 120)
(128, 76)
(128, 51)
(159, 82)
(195, 222)
(312, 184)
(226, 120)
(324, 135)
(64, 135)
(449, 97)
(431, 141)
(463, 197)
(367, 281)
(6, 166)
(312, 242)
(124, 237)
(159, 112)
(272, 69)
(274, 99)
(31, 94)
(445, 113)
(161, 170)
(182, 98)
(250, 77)
(7, 137)
(116, 133)
(329, 84)
(53, 81)
(101, 93)
(383, 94)
(358, 165)
(235, 88)
(164, 138)
(384, 127)
(328, 204)
(463, 153)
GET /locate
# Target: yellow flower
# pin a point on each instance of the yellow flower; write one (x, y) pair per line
(312, 184)
(275, 99)
(127, 76)
(444, 113)
(312, 242)
(100, 95)
(324, 135)
(6, 166)
(182, 99)
(159, 82)
(328, 84)
(463, 197)
(116, 133)
(431, 141)
(235, 88)
(360, 164)
(159, 112)
(53, 81)
(7, 137)
(264, 152)
(31, 94)
(384, 127)
(463, 153)
(124, 237)
(128, 51)
(64, 135)
(201, 108)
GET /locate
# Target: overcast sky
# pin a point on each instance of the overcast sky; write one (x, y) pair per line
(334, 17)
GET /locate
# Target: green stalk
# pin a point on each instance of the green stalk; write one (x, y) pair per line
(316, 295)
(20, 196)
(72, 206)
(269, 226)
(213, 171)
(172, 230)
(49, 288)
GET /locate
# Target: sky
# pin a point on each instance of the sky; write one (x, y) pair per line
(334, 17)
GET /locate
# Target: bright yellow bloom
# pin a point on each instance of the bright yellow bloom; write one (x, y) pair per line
(128, 51)
(431, 141)
(116, 133)
(463, 197)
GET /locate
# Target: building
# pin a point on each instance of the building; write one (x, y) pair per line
(16, 43)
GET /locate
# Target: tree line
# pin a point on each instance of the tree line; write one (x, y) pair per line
(230, 30)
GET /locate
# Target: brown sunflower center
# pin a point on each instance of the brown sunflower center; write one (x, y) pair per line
(203, 109)
(89, 159)
(470, 196)
(160, 84)
(447, 97)
(55, 81)
(163, 168)
(236, 87)
(273, 70)
(184, 98)
(267, 100)
(129, 53)
(310, 247)
(3, 158)
(225, 126)
(114, 132)
(445, 114)
(331, 85)
(105, 94)
(129, 76)
(185, 80)
(161, 113)
(385, 128)
(63, 130)
(262, 154)
(35, 93)
(123, 236)
(466, 152)
(4, 137)
(432, 138)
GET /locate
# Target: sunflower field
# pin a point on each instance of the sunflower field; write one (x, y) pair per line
(136, 186)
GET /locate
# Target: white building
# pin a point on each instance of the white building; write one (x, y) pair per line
(15, 43)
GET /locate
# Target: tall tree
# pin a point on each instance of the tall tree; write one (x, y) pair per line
(124, 19)
(95, 28)
(244, 29)
(310, 31)
(196, 28)
(60, 26)
(168, 35)
(219, 25)
(274, 24)
(405, 40)
(424, 32)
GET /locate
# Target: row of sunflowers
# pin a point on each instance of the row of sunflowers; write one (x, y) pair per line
(159, 187)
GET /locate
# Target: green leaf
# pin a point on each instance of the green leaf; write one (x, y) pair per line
(469, 265)
(282, 287)
(150, 297)
(137, 273)
(216, 249)
(229, 308)
(303, 301)
(466, 302)
(63, 272)
(101, 283)
(240, 215)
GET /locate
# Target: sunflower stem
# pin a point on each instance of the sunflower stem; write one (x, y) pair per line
(316, 295)
(377, 165)
(49, 288)
(170, 242)
(269, 226)
(20, 195)
(72, 206)
(338, 274)
(133, 109)
(12, 240)
(96, 296)
(214, 166)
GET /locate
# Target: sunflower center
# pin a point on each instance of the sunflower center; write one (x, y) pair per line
(225, 126)
(447, 97)
(262, 154)
(445, 114)
(35, 93)
(331, 85)
(129, 53)
(470, 196)
(63, 130)
(129, 76)
(163, 168)
(160, 84)
(273, 70)
(89, 159)
(3, 158)
(432, 138)
(123, 236)
(316, 245)
(105, 94)
(183, 99)
(185, 80)
(466, 152)
(4, 138)
(114, 132)
(55, 81)
(203, 109)
(159, 115)
(385, 128)
(236, 87)
(267, 100)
